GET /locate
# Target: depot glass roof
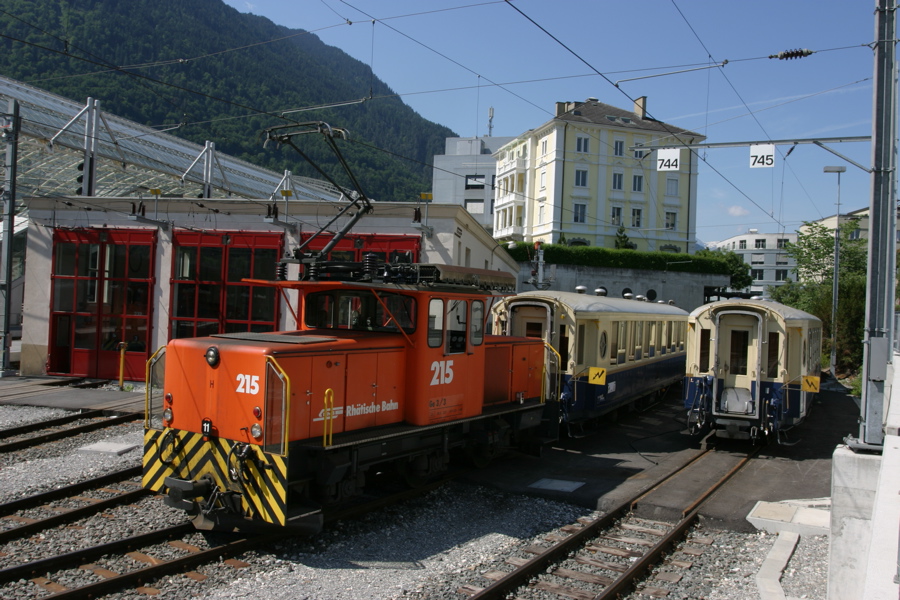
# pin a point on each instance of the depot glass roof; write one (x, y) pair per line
(131, 158)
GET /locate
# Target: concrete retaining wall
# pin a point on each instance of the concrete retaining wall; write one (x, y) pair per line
(686, 289)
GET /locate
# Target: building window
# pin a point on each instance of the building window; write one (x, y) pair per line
(582, 144)
(619, 148)
(781, 259)
(670, 220)
(635, 217)
(639, 153)
(580, 213)
(541, 214)
(671, 186)
(781, 274)
(637, 183)
(761, 244)
(757, 274)
(209, 293)
(742, 245)
(856, 234)
(543, 179)
(474, 182)
(543, 146)
(615, 216)
(580, 178)
(757, 259)
(618, 181)
(781, 243)
(475, 207)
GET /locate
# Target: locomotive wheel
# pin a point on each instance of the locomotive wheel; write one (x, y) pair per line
(416, 471)
(411, 472)
(481, 455)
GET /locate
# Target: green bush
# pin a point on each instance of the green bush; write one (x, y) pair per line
(587, 256)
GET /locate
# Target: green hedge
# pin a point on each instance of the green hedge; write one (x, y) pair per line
(587, 256)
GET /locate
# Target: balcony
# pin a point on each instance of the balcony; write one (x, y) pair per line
(514, 165)
(515, 232)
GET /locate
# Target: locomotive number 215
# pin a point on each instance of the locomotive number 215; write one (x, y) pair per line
(443, 372)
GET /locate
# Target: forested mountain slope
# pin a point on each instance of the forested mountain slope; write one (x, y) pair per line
(200, 63)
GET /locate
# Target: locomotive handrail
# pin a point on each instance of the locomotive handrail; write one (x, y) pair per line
(286, 414)
(148, 367)
(328, 419)
(550, 347)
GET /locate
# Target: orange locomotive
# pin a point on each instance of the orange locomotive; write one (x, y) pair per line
(396, 369)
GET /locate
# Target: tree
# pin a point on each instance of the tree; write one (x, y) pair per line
(814, 292)
(622, 240)
(814, 252)
(740, 271)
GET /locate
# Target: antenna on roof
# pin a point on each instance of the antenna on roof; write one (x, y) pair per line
(490, 121)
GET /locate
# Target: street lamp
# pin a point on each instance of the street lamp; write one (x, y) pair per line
(837, 247)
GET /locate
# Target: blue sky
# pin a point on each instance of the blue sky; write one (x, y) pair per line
(451, 60)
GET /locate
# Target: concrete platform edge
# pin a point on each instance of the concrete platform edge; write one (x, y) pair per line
(768, 579)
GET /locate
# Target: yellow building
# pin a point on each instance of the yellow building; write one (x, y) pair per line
(581, 175)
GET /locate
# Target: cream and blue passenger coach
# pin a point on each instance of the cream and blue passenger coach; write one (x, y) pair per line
(753, 367)
(609, 353)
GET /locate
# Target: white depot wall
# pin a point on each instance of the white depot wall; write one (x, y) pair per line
(686, 289)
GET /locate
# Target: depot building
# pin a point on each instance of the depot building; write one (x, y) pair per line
(109, 279)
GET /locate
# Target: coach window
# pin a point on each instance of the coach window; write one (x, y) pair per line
(456, 326)
(563, 346)
(614, 343)
(579, 345)
(477, 324)
(435, 323)
(740, 341)
(670, 341)
(602, 347)
(638, 339)
(772, 354)
(704, 350)
(623, 342)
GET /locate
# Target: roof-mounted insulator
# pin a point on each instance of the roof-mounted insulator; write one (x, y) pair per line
(791, 54)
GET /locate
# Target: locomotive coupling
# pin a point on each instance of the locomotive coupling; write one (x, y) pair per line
(182, 492)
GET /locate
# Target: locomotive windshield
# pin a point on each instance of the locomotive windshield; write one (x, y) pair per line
(358, 309)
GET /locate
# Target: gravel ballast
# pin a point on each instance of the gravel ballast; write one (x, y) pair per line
(426, 548)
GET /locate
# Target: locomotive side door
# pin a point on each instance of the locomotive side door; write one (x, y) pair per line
(738, 362)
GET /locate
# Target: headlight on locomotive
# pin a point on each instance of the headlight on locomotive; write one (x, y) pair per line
(256, 431)
(167, 415)
(212, 356)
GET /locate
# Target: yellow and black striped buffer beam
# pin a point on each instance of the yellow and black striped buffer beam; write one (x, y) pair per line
(187, 455)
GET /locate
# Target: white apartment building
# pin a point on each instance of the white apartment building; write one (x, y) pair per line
(770, 264)
(582, 175)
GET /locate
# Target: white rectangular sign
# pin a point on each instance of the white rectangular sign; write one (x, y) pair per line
(762, 156)
(667, 159)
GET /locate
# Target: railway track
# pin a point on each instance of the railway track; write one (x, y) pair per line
(43, 432)
(135, 561)
(608, 556)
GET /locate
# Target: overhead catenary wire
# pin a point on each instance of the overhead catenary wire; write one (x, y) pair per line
(480, 83)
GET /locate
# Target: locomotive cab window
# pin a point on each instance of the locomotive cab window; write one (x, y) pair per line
(476, 331)
(457, 313)
(360, 310)
(435, 323)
